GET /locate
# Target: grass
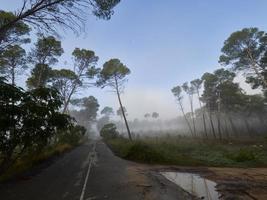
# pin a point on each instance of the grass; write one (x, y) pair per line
(174, 150)
(30, 160)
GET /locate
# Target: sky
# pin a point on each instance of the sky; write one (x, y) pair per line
(163, 42)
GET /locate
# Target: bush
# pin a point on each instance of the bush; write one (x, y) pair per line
(243, 155)
(145, 153)
(109, 131)
(72, 135)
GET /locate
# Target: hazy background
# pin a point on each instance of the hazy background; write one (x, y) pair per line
(163, 42)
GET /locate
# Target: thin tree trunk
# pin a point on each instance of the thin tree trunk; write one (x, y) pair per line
(226, 128)
(219, 125)
(212, 125)
(192, 113)
(232, 125)
(122, 110)
(203, 115)
(189, 126)
(13, 76)
(219, 117)
(248, 127)
(68, 99)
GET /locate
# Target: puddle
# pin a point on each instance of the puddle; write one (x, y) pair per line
(194, 184)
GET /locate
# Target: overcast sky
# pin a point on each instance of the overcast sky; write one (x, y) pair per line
(163, 42)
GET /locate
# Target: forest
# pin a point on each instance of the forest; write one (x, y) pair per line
(218, 123)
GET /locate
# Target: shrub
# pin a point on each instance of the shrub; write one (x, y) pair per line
(243, 155)
(145, 153)
(109, 131)
(72, 135)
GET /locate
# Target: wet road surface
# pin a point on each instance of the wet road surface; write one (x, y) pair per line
(92, 172)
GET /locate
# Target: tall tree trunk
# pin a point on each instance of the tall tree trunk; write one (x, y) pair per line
(192, 113)
(13, 76)
(203, 115)
(226, 127)
(122, 110)
(66, 104)
(248, 127)
(212, 125)
(219, 117)
(219, 126)
(232, 125)
(189, 126)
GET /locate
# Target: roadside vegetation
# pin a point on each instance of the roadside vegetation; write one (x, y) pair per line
(185, 151)
(228, 127)
(42, 117)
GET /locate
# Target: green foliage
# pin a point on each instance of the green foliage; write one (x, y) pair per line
(40, 75)
(246, 50)
(104, 8)
(144, 153)
(46, 53)
(63, 81)
(113, 74)
(28, 120)
(88, 110)
(242, 155)
(72, 135)
(12, 62)
(14, 35)
(109, 131)
(175, 150)
(177, 91)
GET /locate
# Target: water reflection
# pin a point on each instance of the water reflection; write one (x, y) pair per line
(194, 184)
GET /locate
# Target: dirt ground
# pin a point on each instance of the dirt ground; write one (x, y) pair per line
(248, 183)
(232, 183)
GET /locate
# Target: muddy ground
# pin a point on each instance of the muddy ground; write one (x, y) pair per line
(232, 183)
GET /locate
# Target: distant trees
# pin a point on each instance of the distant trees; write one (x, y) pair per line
(177, 92)
(196, 85)
(147, 115)
(227, 105)
(223, 99)
(190, 91)
(107, 111)
(155, 115)
(87, 112)
(114, 75)
(119, 111)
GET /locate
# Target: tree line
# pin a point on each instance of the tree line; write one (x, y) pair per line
(38, 116)
(225, 110)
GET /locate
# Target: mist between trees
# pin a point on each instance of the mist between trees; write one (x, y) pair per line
(225, 111)
(48, 113)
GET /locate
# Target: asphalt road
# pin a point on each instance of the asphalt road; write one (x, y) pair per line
(91, 172)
